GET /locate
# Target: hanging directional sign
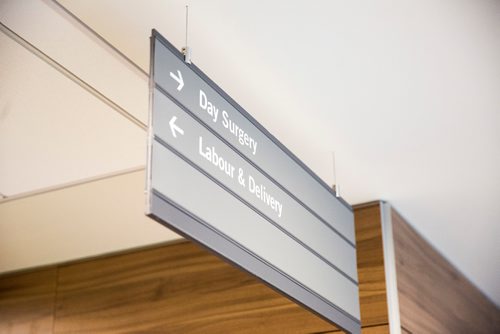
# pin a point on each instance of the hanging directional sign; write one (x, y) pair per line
(218, 177)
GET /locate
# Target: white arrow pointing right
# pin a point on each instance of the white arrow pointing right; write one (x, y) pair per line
(178, 78)
(174, 127)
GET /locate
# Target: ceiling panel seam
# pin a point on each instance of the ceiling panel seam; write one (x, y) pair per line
(71, 184)
(70, 75)
(98, 36)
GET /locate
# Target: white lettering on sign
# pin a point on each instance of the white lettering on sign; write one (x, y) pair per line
(244, 139)
(217, 160)
(208, 106)
(259, 190)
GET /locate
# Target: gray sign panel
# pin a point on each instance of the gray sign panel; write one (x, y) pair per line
(216, 176)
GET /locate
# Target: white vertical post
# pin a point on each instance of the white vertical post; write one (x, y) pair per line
(391, 282)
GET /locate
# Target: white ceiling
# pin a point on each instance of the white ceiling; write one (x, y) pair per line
(95, 218)
(406, 93)
(61, 133)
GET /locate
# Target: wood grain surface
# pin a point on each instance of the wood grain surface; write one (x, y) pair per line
(433, 296)
(381, 329)
(370, 257)
(179, 288)
(27, 301)
(182, 288)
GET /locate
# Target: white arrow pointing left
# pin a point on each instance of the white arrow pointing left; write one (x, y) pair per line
(178, 78)
(174, 127)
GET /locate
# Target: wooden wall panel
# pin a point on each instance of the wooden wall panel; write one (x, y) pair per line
(382, 329)
(370, 259)
(27, 302)
(405, 331)
(182, 288)
(433, 296)
(178, 288)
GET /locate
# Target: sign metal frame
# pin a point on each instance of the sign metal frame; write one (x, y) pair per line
(183, 221)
